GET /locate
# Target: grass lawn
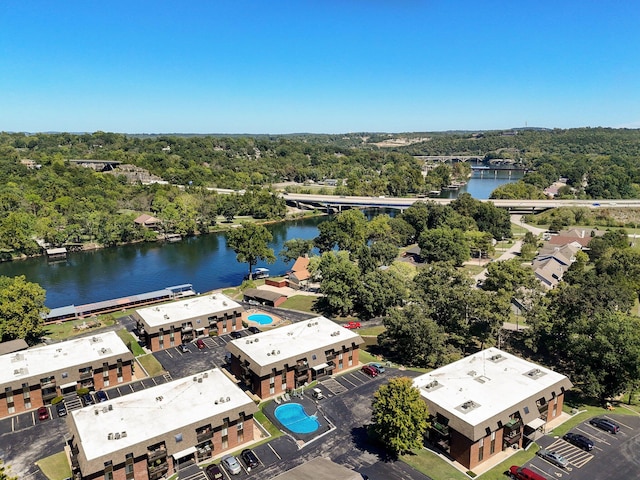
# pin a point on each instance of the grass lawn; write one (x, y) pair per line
(150, 364)
(269, 427)
(302, 303)
(55, 467)
(130, 342)
(473, 270)
(371, 331)
(65, 330)
(432, 465)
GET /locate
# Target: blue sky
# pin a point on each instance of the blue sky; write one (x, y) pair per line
(323, 66)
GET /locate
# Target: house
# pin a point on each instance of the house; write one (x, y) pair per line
(264, 297)
(320, 468)
(582, 237)
(33, 377)
(488, 402)
(172, 324)
(148, 221)
(149, 434)
(289, 357)
(299, 276)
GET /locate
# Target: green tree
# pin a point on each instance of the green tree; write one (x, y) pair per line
(21, 309)
(251, 243)
(294, 248)
(379, 292)
(444, 245)
(508, 276)
(413, 338)
(340, 281)
(399, 417)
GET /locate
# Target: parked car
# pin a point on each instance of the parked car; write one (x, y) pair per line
(579, 441)
(369, 370)
(378, 366)
(235, 335)
(353, 325)
(249, 458)
(184, 348)
(200, 344)
(87, 399)
(605, 424)
(553, 457)
(43, 413)
(253, 330)
(61, 409)
(231, 464)
(101, 396)
(214, 472)
(523, 473)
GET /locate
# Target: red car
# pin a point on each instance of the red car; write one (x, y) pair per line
(369, 370)
(200, 344)
(43, 413)
(352, 325)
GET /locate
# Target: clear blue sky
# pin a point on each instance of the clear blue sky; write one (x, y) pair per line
(323, 66)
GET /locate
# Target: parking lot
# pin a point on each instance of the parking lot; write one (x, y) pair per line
(612, 457)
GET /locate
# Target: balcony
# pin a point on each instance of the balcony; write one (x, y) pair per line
(153, 455)
(440, 428)
(303, 374)
(512, 425)
(86, 375)
(512, 439)
(48, 384)
(302, 367)
(203, 436)
(157, 471)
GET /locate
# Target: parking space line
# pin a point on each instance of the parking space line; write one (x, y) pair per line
(169, 353)
(274, 452)
(619, 423)
(345, 379)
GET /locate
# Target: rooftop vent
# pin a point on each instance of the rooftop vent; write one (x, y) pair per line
(224, 303)
(433, 385)
(535, 373)
(471, 373)
(123, 434)
(200, 380)
(468, 406)
(110, 407)
(166, 317)
(498, 357)
(256, 340)
(110, 436)
(205, 374)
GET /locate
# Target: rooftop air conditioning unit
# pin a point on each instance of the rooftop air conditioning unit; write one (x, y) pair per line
(200, 380)
(110, 436)
(195, 379)
(256, 340)
(228, 399)
(206, 375)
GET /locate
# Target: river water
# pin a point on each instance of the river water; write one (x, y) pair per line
(203, 261)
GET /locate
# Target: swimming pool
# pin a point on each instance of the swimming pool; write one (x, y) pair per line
(261, 318)
(294, 418)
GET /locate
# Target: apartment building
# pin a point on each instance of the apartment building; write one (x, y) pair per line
(289, 357)
(171, 324)
(489, 402)
(33, 377)
(150, 434)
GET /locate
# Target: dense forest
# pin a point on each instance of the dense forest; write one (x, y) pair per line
(44, 197)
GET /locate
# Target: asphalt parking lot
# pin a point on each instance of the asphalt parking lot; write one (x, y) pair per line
(613, 456)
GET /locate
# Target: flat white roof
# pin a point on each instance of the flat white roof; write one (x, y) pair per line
(174, 312)
(156, 411)
(492, 380)
(300, 338)
(58, 356)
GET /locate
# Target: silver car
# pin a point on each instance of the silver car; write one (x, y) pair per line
(553, 457)
(231, 464)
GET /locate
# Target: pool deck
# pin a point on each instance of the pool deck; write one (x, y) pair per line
(311, 408)
(277, 321)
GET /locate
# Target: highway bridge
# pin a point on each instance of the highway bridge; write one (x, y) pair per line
(338, 203)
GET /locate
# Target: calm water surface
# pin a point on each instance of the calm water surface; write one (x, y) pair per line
(203, 261)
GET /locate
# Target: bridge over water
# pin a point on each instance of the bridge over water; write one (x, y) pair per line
(336, 203)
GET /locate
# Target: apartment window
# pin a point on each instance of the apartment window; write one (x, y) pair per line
(26, 394)
(108, 470)
(555, 410)
(178, 438)
(128, 467)
(492, 448)
(272, 389)
(65, 374)
(11, 409)
(225, 427)
(340, 365)
(272, 380)
(350, 360)
(481, 451)
(27, 404)
(225, 442)
(9, 394)
(340, 356)
(105, 370)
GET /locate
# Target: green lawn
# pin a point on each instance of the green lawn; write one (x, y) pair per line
(55, 467)
(302, 303)
(150, 364)
(65, 330)
(130, 342)
(371, 331)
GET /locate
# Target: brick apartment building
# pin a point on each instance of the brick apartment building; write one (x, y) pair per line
(289, 357)
(149, 434)
(488, 402)
(172, 324)
(31, 378)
